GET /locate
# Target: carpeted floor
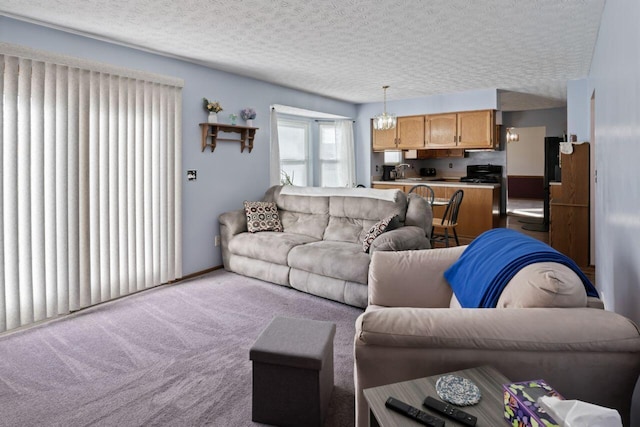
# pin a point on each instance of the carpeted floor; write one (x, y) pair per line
(176, 355)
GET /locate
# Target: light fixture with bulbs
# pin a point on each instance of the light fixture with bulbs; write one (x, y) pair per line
(384, 121)
(512, 136)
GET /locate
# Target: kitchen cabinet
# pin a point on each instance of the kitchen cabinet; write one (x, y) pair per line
(476, 129)
(441, 130)
(439, 153)
(383, 139)
(469, 129)
(407, 135)
(456, 131)
(410, 132)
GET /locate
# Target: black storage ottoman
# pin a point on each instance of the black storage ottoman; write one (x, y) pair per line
(293, 372)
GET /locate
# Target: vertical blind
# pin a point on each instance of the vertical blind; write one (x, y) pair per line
(90, 199)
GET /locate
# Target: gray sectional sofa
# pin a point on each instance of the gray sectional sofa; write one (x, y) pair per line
(320, 250)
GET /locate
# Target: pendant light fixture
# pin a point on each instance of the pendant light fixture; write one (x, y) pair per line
(384, 121)
(512, 136)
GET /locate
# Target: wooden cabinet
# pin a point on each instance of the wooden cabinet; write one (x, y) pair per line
(441, 130)
(383, 139)
(569, 207)
(410, 132)
(407, 135)
(476, 129)
(459, 131)
(438, 153)
(470, 129)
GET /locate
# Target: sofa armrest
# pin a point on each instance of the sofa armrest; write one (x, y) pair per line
(571, 348)
(411, 278)
(231, 223)
(234, 221)
(400, 239)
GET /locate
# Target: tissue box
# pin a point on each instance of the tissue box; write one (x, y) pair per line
(520, 404)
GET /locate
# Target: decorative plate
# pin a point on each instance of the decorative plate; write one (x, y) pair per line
(457, 390)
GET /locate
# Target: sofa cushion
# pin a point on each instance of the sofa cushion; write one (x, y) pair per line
(267, 246)
(543, 284)
(340, 260)
(352, 217)
(262, 216)
(376, 230)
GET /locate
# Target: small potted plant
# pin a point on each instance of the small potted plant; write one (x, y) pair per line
(248, 114)
(213, 108)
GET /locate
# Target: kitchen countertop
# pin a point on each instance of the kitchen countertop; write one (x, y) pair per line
(436, 182)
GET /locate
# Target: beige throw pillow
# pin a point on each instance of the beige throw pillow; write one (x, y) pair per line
(543, 284)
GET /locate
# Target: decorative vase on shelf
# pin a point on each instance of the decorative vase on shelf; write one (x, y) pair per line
(213, 117)
(250, 123)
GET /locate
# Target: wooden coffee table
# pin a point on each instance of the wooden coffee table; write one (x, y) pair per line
(489, 410)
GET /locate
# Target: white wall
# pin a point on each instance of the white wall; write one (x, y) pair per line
(226, 177)
(615, 78)
(526, 156)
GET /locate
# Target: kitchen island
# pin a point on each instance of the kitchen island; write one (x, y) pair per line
(480, 208)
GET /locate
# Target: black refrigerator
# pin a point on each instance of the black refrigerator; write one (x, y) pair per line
(552, 173)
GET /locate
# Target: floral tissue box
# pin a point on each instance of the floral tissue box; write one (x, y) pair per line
(520, 404)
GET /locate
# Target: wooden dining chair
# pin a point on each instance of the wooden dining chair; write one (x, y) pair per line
(449, 221)
(425, 191)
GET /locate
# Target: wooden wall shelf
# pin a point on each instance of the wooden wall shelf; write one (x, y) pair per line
(212, 131)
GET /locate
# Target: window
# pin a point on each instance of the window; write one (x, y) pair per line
(294, 141)
(311, 149)
(328, 158)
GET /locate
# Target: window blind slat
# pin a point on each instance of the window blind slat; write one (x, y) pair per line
(50, 223)
(3, 301)
(25, 276)
(40, 294)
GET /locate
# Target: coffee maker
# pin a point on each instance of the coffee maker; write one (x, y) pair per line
(388, 172)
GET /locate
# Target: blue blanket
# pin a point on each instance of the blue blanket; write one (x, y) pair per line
(493, 258)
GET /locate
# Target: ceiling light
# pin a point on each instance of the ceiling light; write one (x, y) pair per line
(512, 136)
(384, 121)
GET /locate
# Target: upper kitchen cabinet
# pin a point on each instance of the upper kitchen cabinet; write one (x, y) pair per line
(476, 129)
(471, 129)
(383, 139)
(441, 130)
(410, 132)
(407, 135)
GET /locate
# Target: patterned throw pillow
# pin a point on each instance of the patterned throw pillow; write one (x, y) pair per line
(262, 216)
(377, 229)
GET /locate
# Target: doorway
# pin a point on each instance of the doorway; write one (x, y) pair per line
(525, 175)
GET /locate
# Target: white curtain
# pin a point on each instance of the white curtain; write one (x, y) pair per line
(274, 150)
(346, 153)
(90, 195)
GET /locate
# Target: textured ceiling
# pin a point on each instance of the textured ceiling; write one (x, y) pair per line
(348, 49)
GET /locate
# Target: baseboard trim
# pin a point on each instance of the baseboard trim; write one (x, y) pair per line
(197, 273)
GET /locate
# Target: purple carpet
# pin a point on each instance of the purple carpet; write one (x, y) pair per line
(175, 355)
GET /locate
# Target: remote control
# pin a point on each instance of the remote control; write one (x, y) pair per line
(413, 413)
(450, 411)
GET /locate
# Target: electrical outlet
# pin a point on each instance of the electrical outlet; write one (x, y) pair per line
(377, 168)
(217, 240)
(450, 165)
